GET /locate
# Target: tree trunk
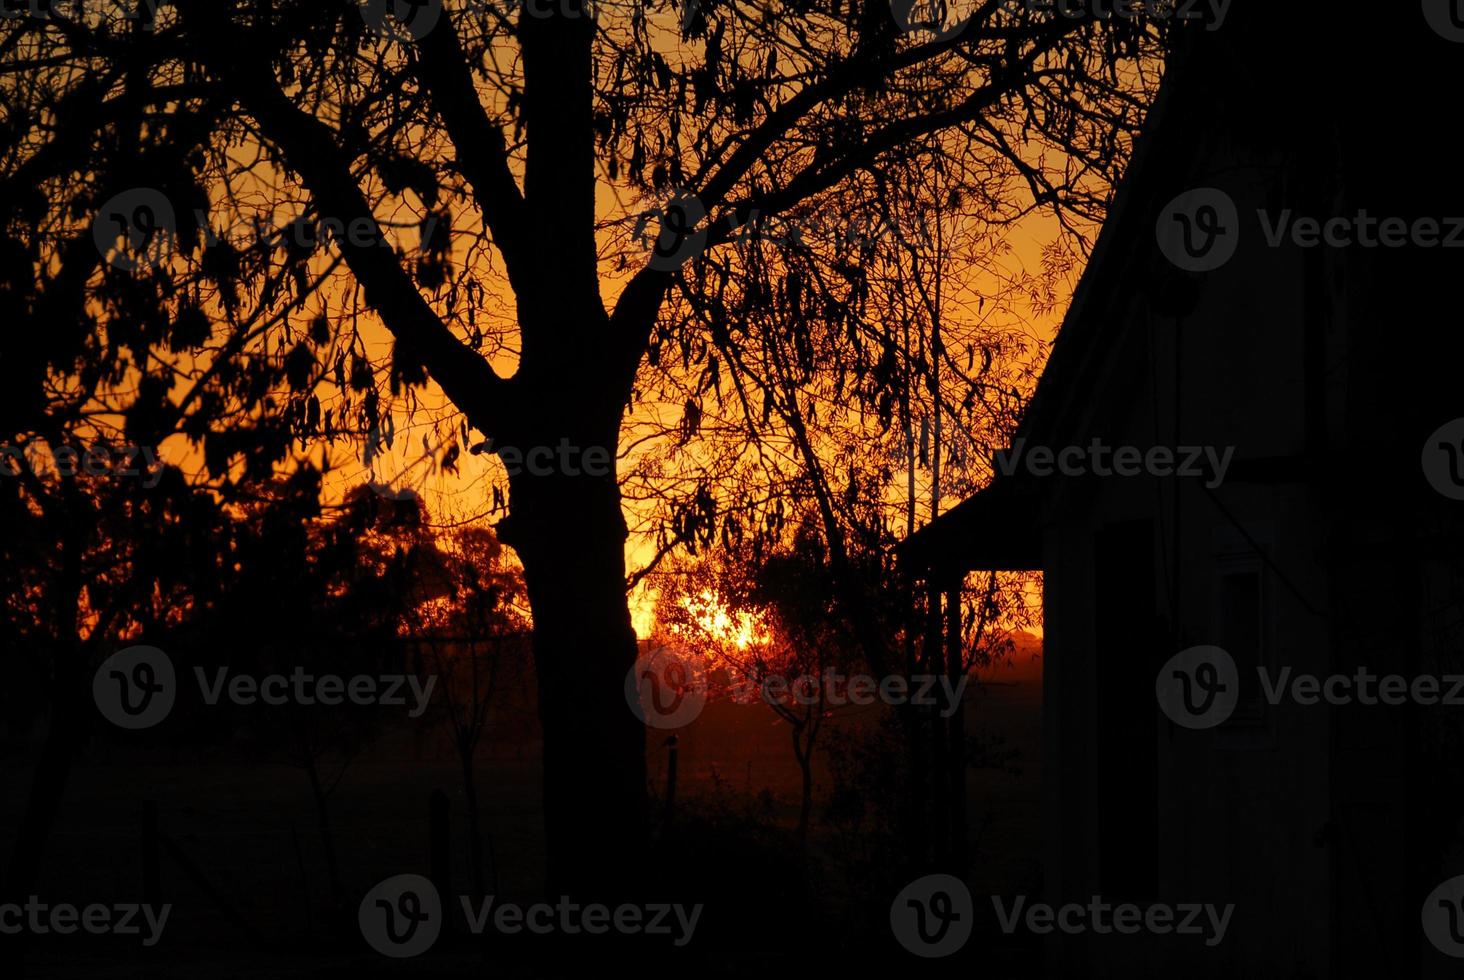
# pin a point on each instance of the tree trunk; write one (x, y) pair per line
(804, 755)
(475, 832)
(956, 729)
(69, 724)
(570, 535)
(938, 819)
(47, 790)
(915, 803)
(327, 833)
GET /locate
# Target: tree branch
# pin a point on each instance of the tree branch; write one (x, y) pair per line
(479, 144)
(308, 147)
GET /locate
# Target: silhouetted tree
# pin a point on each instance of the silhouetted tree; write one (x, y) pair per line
(518, 288)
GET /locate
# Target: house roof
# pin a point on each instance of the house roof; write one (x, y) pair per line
(992, 528)
(997, 527)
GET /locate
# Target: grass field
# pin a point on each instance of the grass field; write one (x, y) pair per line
(264, 905)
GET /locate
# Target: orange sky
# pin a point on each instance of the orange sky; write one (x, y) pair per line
(467, 495)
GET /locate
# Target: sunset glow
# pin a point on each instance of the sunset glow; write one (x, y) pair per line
(741, 628)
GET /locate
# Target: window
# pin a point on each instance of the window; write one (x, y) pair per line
(1243, 625)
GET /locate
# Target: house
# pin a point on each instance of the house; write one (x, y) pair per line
(1306, 371)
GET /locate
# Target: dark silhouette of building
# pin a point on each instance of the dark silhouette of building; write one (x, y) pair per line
(1325, 359)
